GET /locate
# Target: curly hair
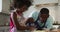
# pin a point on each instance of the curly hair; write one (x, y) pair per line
(20, 3)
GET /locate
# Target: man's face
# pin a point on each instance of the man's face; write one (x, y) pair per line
(43, 17)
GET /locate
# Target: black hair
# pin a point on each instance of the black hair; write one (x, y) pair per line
(20, 3)
(44, 11)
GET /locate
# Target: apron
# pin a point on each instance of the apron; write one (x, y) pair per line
(12, 24)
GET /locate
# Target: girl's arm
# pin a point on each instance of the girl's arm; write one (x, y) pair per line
(19, 27)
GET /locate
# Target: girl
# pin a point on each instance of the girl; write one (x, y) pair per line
(17, 20)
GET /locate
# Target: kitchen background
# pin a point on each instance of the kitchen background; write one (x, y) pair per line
(52, 5)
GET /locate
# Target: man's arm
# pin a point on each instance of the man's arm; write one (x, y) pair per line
(49, 23)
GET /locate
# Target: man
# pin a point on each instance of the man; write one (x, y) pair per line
(42, 19)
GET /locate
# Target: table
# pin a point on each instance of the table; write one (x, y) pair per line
(39, 31)
(55, 30)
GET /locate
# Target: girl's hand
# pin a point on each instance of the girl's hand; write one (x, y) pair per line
(31, 28)
(22, 22)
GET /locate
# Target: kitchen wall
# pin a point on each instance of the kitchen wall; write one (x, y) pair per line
(58, 12)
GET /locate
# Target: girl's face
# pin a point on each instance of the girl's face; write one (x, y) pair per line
(22, 9)
(43, 17)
